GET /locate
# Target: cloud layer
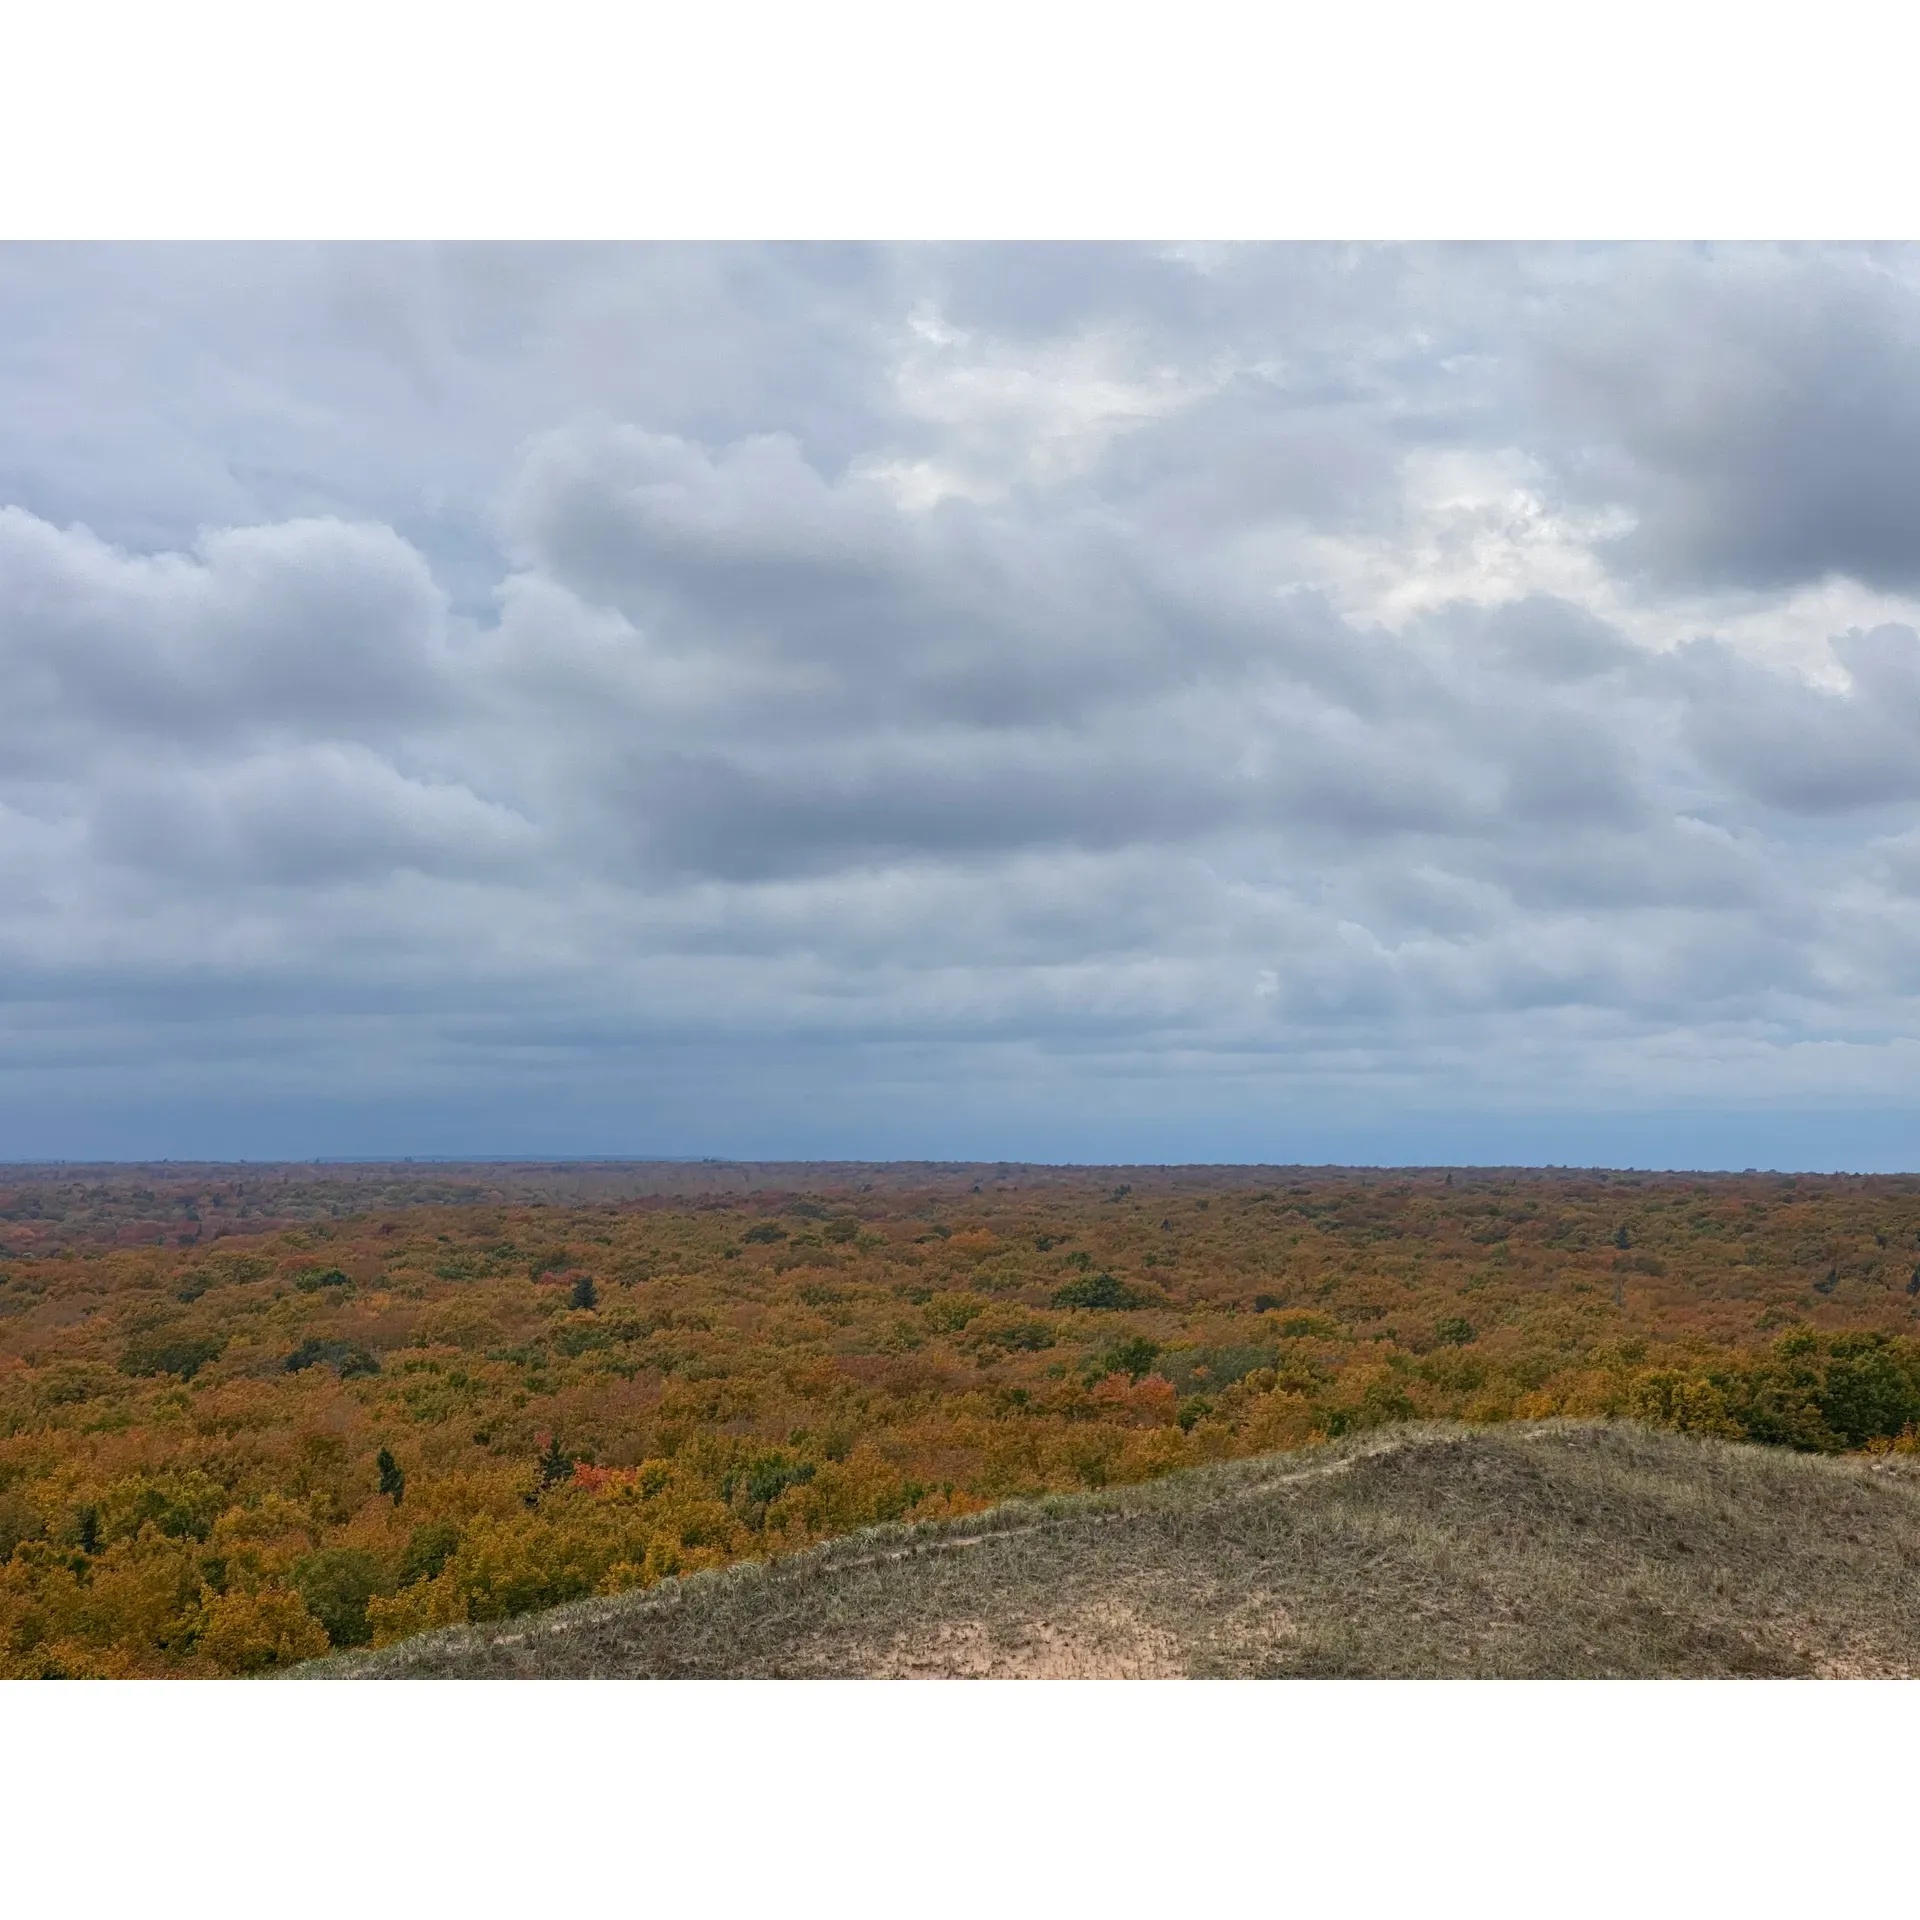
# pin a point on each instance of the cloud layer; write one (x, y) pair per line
(855, 700)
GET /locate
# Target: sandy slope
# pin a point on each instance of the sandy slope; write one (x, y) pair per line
(1557, 1549)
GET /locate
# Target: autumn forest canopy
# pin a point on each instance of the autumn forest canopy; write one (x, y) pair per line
(249, 1414)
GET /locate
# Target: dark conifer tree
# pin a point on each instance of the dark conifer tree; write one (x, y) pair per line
(556, 1465)
(392, 1480)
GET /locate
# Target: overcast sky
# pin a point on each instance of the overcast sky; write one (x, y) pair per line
(1049, 702)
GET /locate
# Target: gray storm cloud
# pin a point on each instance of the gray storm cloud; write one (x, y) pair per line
(1370, 676)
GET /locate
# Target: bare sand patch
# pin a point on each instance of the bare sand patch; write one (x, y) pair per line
(1106, 1641)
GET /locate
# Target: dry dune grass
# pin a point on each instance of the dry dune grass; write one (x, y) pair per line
(1556, 1549)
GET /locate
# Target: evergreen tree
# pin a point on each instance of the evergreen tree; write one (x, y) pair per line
(586, 1296)
(392, 1480)
(555, 1464)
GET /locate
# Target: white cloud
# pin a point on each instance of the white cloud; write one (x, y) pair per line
(311, 814)
(1238, 675)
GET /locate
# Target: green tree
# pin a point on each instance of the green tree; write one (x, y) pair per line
(1870, 1391)
(313, 1281)
(1101, 1292)
(1133, 1357)
(585, 1296)
(392, 1480)
(429, 1547)
(556, 1464)
(335, 1585)
(346, 1357)
(175, 1354)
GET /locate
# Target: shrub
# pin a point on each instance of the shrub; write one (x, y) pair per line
(764, 1234)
